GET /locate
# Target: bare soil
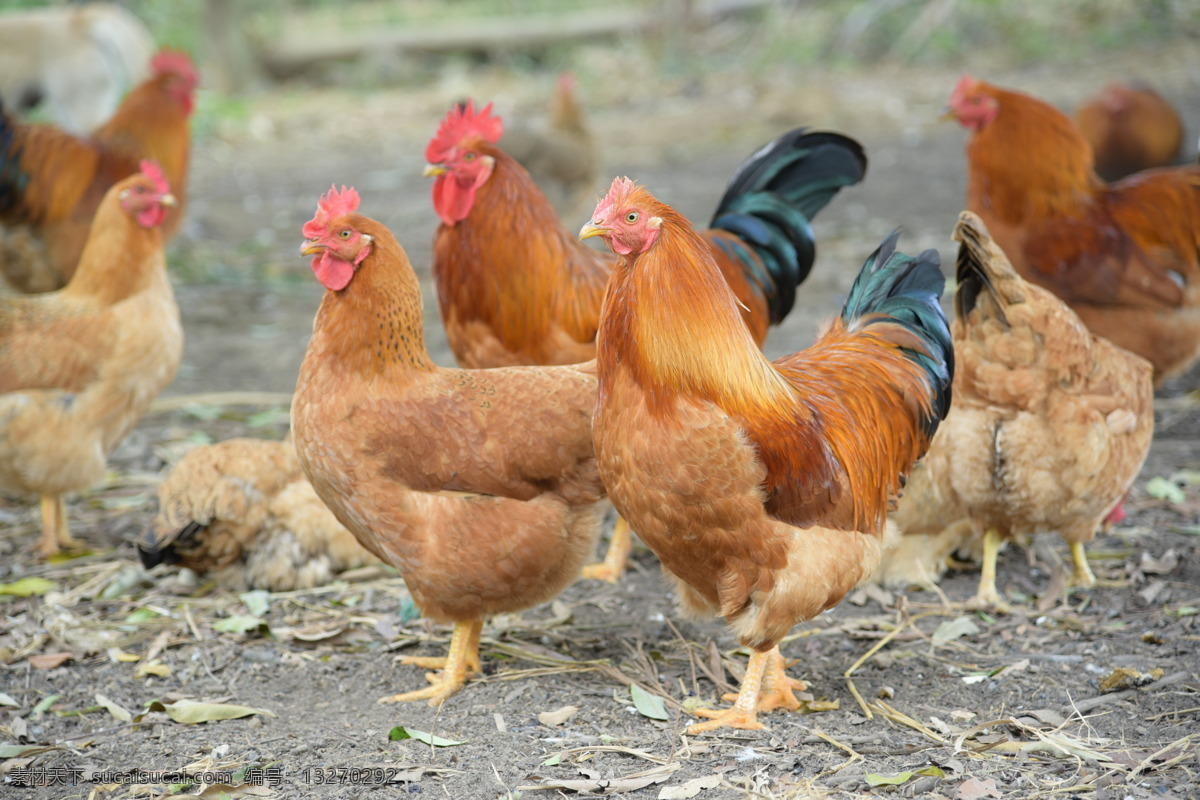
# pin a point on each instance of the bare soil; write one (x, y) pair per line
(1012, 708)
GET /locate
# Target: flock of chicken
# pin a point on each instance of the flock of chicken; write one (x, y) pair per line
(635, 377)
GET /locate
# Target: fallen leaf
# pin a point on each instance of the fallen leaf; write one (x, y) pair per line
(606, 786)
(1159, 566)
(49, 660)
(190, 712)
(1161, 488)
(154, 667)
(975, 789)
(689, 789)
(1127, 678)
(899, 778)
(238, 623)
(399, 733)
(257, 601)
(952, 629)
(20, 750)
(27, 587)
(43, 705)
(558, 717)
(7, 700)
(118, 713)
(648, 705)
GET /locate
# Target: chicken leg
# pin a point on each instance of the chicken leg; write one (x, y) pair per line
(765, 687)
(1083, 572)
(617, 557)
(987, 597)
(55, 536)
(462, 657)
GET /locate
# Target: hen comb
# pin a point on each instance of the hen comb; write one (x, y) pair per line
(173, 62)
(332, 205)
(154, 172)
(460, 122)
(966, 84)
(618, 193)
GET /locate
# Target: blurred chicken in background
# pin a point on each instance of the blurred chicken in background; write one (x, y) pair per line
(560, 154)
(1130, 127)
(52, 181)
(75, 61)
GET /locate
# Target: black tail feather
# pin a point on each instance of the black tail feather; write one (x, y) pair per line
(771, 200)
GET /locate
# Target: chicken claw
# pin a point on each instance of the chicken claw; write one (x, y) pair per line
(462, 658)
(987, 598)
(617, 557)
(744, 713)
(55, 536)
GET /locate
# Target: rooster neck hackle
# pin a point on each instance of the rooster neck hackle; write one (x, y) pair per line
(679, 329)
(116, 239)
(375, 325)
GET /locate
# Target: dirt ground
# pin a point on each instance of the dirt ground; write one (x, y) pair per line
(949, 704)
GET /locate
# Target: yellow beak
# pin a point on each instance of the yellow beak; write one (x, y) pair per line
(310, 247)
(433, 170)
(168, 200)
(591, 229)
(947, 114)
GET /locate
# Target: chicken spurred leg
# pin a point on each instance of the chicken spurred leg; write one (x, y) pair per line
(461, 657)
(765, 687)
(617, 557)
(777, 686)
(55, 535)
(987, 597)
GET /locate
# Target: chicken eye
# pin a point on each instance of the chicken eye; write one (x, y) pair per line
(345, 234)
(631, 217)
(469, 157)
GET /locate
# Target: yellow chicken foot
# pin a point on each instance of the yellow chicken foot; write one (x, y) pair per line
(617, 557)
(55, 535)
(987, 598)
(777, 686)
(1083, 572)
(474, 666)
(463, 650)
(744, 714)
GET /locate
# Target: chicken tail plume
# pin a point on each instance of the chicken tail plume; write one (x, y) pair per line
(771, 200)
(983, 271)
(12, 177)
(896, 296)
(154, 550)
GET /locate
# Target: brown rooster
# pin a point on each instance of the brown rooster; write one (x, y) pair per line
(480, 486)
(540, 303)
(1050, 424)
(243, 509)
(1130, 128)
(52, 181)
(80, 366)
(762, 486)
(1125, 256)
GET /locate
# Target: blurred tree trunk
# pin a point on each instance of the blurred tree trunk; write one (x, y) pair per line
(229, 63)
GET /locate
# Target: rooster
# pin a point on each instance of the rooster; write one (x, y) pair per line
(51, 181)
(540, 303)
(1124, 256)
(762, 486)
(480, 486)
(243, 509)
(79, 367)
(1050, 424)
(1130, 128)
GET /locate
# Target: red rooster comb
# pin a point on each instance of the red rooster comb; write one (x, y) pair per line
(173, 62)
(618, 193)
(332, 205)
(460, 122)
(154, 172)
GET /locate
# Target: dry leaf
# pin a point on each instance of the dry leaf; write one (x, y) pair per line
(690, 788)
(975, 789)
(118, 713)
(154, 667)
(558, 717)
(49, 660)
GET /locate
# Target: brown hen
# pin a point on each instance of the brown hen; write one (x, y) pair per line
(480, 486)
